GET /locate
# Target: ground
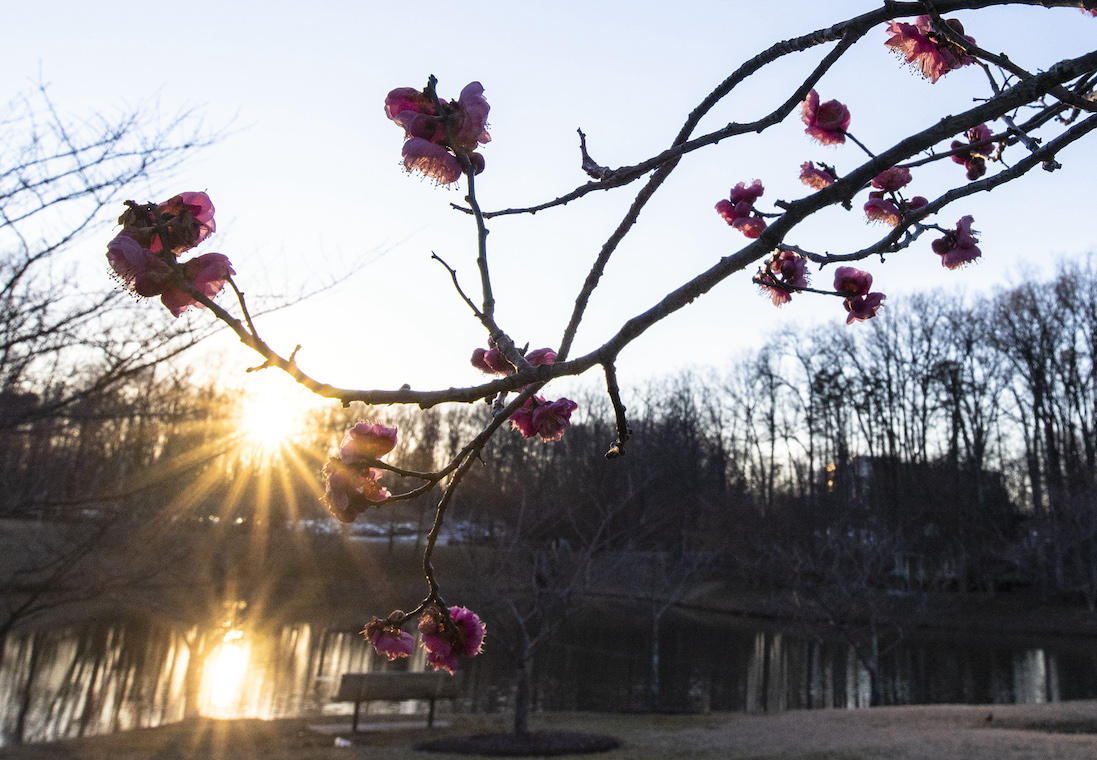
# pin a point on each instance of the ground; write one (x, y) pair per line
(1063, 731)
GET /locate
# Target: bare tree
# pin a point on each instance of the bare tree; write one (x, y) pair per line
(1029, 118)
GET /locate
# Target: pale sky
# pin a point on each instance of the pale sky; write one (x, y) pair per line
(308, 184)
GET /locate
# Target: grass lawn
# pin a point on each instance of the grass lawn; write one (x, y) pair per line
(1064, 731)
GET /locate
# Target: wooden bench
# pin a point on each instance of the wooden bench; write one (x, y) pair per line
(366, 687)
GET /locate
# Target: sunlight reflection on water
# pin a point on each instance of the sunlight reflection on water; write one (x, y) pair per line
(223, 676)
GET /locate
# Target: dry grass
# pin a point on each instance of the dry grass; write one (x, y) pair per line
(1066, 731)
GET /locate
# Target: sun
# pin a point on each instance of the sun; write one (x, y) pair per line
(273, 411)
(267, 422)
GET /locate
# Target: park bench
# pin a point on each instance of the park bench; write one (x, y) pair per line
(367, 687)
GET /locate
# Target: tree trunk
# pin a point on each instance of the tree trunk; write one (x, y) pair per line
(655, 686)
(192, 679)
(19, 734)
(522, 693)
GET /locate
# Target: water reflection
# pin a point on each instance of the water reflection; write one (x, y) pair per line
(100, 677)
(223, 677)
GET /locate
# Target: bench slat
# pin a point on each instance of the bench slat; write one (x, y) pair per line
(360, 687)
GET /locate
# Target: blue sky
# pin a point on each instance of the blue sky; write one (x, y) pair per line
(308, 186)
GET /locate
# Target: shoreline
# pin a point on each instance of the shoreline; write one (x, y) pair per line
(1063, 730)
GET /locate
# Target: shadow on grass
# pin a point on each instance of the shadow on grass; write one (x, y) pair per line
(533, 744)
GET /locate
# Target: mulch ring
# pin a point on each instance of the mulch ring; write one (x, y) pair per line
(533, 744)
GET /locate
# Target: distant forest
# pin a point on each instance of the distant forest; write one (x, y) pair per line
(949, 445)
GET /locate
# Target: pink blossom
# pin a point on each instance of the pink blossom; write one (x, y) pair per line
(747, 193)
(547, 419)
(958, 247)
(208, 273)
(892, 179)
(540, 357)
(784, 274)
(852, 282)
(349, 491)
(472, 118)
(405, 103)
(880, 209)
(828, 122)
(431, 160)
(184, 208)
(863, 307)
(921, 46)
(816, 178)
(974, 160)
(367, 441)
(182, 222)
(471, 641)
(138, 268)
(738, 209)
(445, 637)
(428, 147)
(491, 361)
(387, 638)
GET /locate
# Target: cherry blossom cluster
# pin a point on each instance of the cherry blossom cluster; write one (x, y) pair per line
(738, 209)
(783, 275)
(436, 132)
(885, 204)
(538, 417)
(446, 635)
(934, 54)
(144, 255)
(351, 483)
(973, 155)
(854, 284)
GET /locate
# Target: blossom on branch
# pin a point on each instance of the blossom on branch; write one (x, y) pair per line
(816, 178)
(958, 247)
(139, 269)
(367, 441)
(880, 209)
(855, 284)
(974, 159)
(863, 307)
(540, 357)
(891, 180)
(924, 49)
(828, 122)
(349, 491)
(783, 274)
(445, 637)
(437, 133)
(143, 254)
(546, 419)
(492, 362)
(177, 225)
(430, 160)
(351, 486)
(738, 209)
(387, 638)
(147, 274)
(208, 273)
(852, 282)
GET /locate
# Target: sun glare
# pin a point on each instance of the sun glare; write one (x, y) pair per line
(223, 680)
(273, 412)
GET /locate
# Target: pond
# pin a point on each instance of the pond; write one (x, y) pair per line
(100, 676)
